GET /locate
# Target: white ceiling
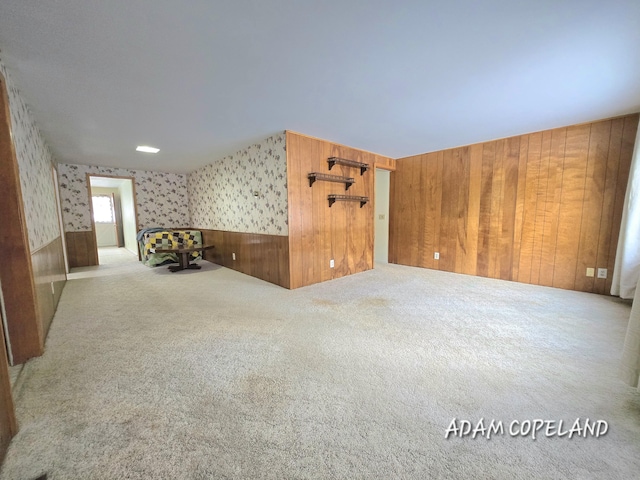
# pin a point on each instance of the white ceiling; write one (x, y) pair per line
(201, 79)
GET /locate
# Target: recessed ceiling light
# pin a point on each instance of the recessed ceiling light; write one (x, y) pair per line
(147, 149)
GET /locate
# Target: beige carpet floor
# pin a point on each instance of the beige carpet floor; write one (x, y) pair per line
(213, 374)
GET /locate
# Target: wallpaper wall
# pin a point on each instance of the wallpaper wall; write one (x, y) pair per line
(221, 195)
(35, 163)
(161, 198)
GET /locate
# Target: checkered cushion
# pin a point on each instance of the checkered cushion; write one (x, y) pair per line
(170, 239)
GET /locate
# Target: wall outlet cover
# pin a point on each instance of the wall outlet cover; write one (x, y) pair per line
(332, 263)
(590, 272)
(436, 256)
(602, 273)
(233, 255)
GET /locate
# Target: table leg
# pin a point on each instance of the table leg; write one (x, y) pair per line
(183, 263)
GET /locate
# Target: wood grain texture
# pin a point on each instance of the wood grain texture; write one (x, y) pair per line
(261, 256)
(552, 207)
(8, 424)
(48, 269)
(571, 206)
(16, 273)
(538, 208)
(385, 163)
(629, 131)
(81, 249)
(319, 233)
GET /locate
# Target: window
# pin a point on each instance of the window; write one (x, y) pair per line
(103, 209)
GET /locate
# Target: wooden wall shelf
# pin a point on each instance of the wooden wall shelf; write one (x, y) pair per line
(347, 163)
(315, 176)
(347, 198)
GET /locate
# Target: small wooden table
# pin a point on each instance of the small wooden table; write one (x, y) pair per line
(183, 256)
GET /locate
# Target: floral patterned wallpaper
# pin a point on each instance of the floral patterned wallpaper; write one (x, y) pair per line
(161, 198)
(221, 195)
(35, 164)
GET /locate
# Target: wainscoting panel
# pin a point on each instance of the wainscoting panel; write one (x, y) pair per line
(81, 249)
(48, 270)
(261, 256)
(538, 208)
(8, 424)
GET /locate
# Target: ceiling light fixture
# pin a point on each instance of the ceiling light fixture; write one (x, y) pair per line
(147, 149)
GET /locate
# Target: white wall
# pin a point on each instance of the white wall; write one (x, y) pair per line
(128, 217)
(381, 220)
(106, 235)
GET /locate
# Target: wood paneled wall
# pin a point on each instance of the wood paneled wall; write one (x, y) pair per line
(48, 270)
(318, 233)
(386, 163)
(538, 208)
(8, 424)
(81, 249)
(262, 256)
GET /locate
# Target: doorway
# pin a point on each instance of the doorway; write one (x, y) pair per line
(381, 221)
(113, 213)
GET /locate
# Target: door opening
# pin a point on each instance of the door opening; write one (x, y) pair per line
(381, 221)
(113, 212)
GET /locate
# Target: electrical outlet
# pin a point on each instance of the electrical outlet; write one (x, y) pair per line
(436, 255)
(590, 272)
(332, 263)
(602, 273)
(233, 256)
(53, 289)
(381, 216)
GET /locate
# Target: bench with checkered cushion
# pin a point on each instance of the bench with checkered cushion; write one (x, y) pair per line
(169, 239)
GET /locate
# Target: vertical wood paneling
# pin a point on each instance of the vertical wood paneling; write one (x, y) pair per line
(423, 240)
(414, 194)
(495, 227)
(532, 172)
(539, 208)
(437, 221)
(570, 209)
(261, 256)
(343, 232)
(448, 223)
(542, 159)
(48, 270)
(484, 228)
(552, 206)
(393, 219)
(626, 153)
(511, 164)
(608, 203)
(519, 210)
(81, 249)
(8, 424)
(461, 162)
(475, 187)
(592, 205)
(431, 222)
